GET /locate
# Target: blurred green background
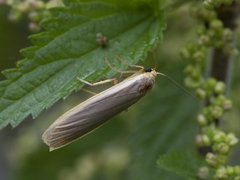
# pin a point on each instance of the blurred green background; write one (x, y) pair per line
(128, 146)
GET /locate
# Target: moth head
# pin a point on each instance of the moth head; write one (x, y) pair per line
(151, 72)
(148, 69)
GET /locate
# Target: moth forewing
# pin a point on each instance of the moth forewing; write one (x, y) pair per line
(93, 112)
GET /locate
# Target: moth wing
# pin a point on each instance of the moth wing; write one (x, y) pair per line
(86, 119)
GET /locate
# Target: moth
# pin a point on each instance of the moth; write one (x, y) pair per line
(98, 109)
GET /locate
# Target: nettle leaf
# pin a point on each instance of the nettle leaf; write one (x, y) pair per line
(68, 49)
(182, 163)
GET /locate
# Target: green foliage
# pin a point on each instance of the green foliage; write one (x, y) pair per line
(158, 134)
(183, 163)
(68, 49)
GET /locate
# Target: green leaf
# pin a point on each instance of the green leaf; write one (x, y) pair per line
(182, 163)
(68, 49)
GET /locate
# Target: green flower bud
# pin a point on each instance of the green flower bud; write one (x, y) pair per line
(34, 27)
(211, 83)
(217, 112)
(202, 140)
(196, 74)
(206, 140)
(34, 16)
(219, 137)
(219, 100)
(203, 172)
(222, 148)
(220, 88)
(201, 93)
(199, 140)
(207, 111)
(198, 56)
(231, 139)
(22, 7)
(9, 2)
(213, 102)
(204, 40)
(34, 5)
(189, 69)
(210, 15)
(202, 121)
(227, 104)
(39, 5)
(221, 173)
(216, 24)
(230, 170)
(212, 159)
(208, 4)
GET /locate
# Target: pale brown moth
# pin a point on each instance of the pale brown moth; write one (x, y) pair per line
(96, 110)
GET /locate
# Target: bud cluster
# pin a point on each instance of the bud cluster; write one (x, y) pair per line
(35, 10)
(211, 34)
(210, 4)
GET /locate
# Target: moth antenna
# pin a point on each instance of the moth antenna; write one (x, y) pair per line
(178, 85)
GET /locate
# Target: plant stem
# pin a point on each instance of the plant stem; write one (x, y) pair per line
(221, 60)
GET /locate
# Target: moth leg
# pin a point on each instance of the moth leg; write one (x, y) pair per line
(88, 91)
(114, 81)
(119, 71)
(141, 68)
